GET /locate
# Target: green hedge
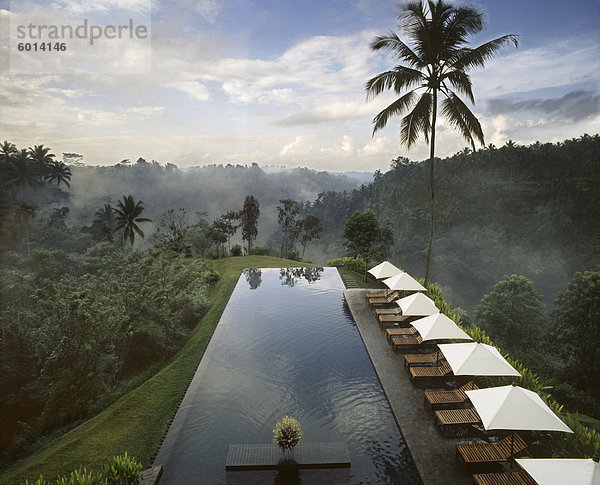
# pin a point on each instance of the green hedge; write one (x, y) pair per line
(354, 264)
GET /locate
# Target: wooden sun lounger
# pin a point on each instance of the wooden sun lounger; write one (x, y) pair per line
(378, 294)
(383, 301)
(430, 371)
(416, 359)
(506, 478)
(456, 417)
(399, 341)
(388, 311)
(392, 318)
(491, 452)
(455, 396)
(390, 332)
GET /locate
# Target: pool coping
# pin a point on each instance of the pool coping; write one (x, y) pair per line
(433, 454)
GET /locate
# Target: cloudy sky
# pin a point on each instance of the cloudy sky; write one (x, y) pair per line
(274, 81)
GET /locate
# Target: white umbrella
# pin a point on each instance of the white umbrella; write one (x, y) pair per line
(514, 408)
(557, 471)
(438, 327)
(384, 270)
(403, 281)
(476, 359)
(417, 304)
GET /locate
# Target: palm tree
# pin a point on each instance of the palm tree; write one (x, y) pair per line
(42, 159)
(58, 171)
(7, 151)
(436, 63)
(104, 222)
(20, 171)
(127, 217)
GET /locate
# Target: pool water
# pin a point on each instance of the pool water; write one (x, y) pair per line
(286, 344)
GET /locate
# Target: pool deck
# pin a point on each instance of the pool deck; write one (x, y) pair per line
(433, 454)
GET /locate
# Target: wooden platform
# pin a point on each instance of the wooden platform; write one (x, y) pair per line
(304, 455)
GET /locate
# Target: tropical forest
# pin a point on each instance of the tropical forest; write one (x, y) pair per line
(114, 275)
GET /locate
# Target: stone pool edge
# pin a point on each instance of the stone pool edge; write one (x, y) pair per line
(433, 454)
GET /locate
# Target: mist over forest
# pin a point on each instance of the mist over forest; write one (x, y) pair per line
(530, 210)
(210, 190)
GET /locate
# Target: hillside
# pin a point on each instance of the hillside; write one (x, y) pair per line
(531, 210)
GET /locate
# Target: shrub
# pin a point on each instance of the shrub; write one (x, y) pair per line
(236, 250)
(80, 477)
(354, 264)
(210, 276)
(287, 433)
(39, 481)
(122, 470)
(264, 251)
(293, 255)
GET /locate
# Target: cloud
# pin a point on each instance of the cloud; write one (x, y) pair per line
(78, 7)
(146, 110)
(71, 93)
(382, 145)
(333, 111)
(576, 105)
(501, 128)
(567, 62)
(209, 10)
(97, 117)
(301, 146)
(245, 92)
(346, 148)
(326, 64)
(196, 90)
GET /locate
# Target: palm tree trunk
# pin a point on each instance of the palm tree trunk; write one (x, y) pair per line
(431, 186)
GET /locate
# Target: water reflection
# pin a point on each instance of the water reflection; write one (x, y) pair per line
(290, 276)
(285, 350)
(253, 278)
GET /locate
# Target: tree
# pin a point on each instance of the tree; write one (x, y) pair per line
(175, 231)
(20, 171)
(366, 238)
(217, 232)
(103, 226)
(59, 172)
(24, 213)
(437, 62)
(42, 160)
(513, 314)
(58, 216)
(311, 229)
(7, 151)
(576, 330)
(249, 219)
(128, 216)
(290, 226)
(231, 219)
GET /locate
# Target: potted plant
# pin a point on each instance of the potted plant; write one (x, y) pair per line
(287, 433)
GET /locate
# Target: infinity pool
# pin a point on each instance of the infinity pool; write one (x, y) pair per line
(286, 344)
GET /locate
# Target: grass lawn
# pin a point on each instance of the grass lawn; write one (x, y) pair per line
(137, 422)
